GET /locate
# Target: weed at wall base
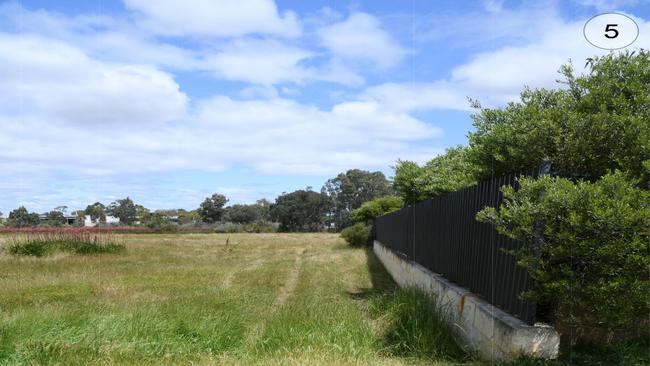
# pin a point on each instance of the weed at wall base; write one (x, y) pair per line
(414, 329)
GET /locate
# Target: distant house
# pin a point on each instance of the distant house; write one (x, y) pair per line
(69, 219)
(110, 220)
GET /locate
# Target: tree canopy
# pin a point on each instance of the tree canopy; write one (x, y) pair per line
(211, 209)
(348, 191)
(56, 218)
(125, 210)
(448, 172)
(20, 217)
(301, 210)
(243, 214)
(96, 211)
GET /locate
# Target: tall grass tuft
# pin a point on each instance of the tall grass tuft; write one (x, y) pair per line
(38, 244)
(414, 329)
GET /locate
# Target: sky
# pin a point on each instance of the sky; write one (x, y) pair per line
(170, 101)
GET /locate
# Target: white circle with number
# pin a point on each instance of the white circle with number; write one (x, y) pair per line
(611, 31)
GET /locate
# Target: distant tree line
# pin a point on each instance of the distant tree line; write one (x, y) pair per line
(303, 210)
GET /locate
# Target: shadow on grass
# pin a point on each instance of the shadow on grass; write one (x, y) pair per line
(407, 322)
(382, 282)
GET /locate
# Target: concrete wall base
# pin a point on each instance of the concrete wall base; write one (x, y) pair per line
(491, 332)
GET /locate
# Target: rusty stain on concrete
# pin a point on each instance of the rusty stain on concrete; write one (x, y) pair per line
(461, 305)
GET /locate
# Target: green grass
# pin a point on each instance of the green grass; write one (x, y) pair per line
(202, 299)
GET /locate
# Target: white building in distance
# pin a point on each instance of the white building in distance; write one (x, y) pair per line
(110, 220)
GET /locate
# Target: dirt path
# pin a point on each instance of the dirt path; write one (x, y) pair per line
(290, 284)
(283, 294)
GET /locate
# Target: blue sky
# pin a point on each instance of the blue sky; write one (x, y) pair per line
(170, 101)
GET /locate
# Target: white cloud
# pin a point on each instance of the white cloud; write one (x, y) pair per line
(265, 61)
(60, 81)
(606, 5)
(276, 136)
(99, 36)
(258, 92)
(290, 137)
(259, 61)
(361, 38)
(498, 76)
(249, 59)
(214, 18)
(495, 27)
(418, 96)
(501, 74)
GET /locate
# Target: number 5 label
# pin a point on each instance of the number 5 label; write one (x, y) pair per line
(611, 31)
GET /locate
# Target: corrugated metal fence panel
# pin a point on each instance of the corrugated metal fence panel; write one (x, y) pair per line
(443, 235)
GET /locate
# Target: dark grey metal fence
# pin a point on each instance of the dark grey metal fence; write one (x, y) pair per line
(443, 235)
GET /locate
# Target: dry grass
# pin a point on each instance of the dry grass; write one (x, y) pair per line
(271, 299)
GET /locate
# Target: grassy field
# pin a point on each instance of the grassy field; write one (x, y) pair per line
(211, 298)
(237, 299)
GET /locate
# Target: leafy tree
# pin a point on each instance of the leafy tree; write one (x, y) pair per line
(592, 261)
(160, 220)
(599, 123)
(141, 213)
(302, 210)
(448, 172)
(243, 214)
(350, 190)
(96, 211)
(211, 210)
(20, 217)
(264, 206)
(188, 217)
(56, 218)
(408, 181)
(125, 210)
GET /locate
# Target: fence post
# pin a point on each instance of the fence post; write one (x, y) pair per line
(413, 231)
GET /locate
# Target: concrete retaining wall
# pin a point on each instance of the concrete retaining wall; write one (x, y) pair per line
(494, 334)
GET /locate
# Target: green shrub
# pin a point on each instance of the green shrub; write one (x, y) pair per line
(167, 227)
(34, 249)
(160, 222)
(358, 235)
(40, 248)
(375, 208)
(231, 228)
(593, 262)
